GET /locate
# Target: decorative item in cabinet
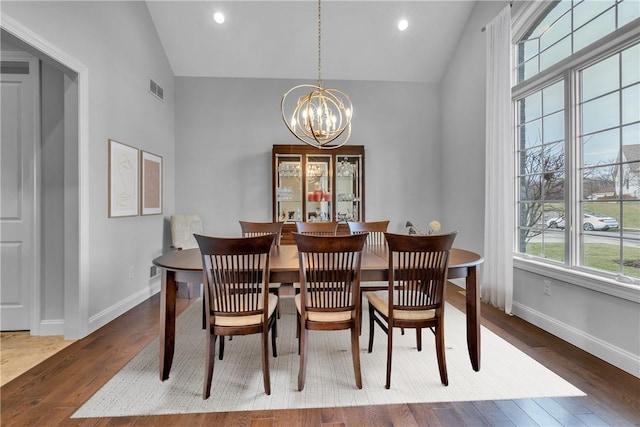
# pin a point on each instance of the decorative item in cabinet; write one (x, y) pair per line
(318, 184)
(311, 184)
(348, 187)
(288, 188)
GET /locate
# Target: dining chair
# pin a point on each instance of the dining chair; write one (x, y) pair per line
(376, 230)
(183, 227)
(415, 295)
(237, 298)
(377, 242)
(253, 229)
(317, 228)
(329, 291)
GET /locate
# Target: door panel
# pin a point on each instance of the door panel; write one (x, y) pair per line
(18, 258)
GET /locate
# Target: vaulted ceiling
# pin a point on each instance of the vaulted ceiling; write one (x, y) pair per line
(279, 39)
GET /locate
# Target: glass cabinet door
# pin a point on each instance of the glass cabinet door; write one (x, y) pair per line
(288, 179)
(318, 187)
(348, 187)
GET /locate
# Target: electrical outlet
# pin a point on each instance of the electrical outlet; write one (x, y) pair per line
(547, 287)
(131, 272)
(153, 271)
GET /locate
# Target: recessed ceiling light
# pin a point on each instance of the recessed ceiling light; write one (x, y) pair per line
(218, 17)
(403, 24)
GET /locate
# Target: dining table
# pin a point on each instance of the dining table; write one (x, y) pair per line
(185, 266)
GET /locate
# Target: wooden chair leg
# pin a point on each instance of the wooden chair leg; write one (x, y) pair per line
(440, 352)
(303, 358)
(265, 361)
(204, 316)
(277, 316)
(355, 351)
(208, 366)
(360, 314)
(274, 334)
(276, 292)
(371, 327)
(221, 352)
(419, 338)
(389, 353)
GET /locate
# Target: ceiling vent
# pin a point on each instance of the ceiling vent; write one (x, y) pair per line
(156, 90)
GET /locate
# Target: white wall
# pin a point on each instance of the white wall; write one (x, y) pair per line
(604, 325)
(119, 47)
(225, 130)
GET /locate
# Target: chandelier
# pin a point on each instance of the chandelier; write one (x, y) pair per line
(318, 116)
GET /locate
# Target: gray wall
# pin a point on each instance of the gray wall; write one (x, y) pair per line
(52, 164)
(602, 324)
(463, 130)
(225, 130)
(119, 47)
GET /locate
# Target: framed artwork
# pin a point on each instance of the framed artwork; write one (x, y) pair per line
(151, 188)
(123, 179)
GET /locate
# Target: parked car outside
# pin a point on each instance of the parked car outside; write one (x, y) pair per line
(590, 222)
(594, 221)
(557, 222)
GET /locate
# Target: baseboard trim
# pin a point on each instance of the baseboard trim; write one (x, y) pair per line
(50, 327)
(616, 356)
(118, 309)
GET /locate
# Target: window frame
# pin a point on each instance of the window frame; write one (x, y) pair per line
(568, 70)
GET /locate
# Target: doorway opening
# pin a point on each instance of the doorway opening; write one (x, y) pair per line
(58, 301)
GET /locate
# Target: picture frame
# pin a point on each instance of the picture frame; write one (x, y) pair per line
(123, 180)
(151, 183)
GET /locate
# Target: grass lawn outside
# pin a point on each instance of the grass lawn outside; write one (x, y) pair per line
(599, 256)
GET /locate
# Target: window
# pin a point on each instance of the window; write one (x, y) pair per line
(577, 104)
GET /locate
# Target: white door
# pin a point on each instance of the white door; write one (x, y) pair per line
(19, 264)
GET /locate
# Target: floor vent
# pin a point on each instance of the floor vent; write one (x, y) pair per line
(156, 89)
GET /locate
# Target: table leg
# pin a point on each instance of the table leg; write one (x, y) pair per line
(473, 318)
(167, 322)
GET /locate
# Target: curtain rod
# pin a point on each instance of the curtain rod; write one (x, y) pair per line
(483, 29)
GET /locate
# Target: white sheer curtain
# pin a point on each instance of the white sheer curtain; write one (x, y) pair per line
(497, 272)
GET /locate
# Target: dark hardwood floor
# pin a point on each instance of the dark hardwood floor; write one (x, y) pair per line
(49, 393)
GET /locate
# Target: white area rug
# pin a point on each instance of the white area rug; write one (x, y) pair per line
(506, 372)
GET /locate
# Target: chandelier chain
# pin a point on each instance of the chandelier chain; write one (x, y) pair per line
(319, 45)
(320, 118)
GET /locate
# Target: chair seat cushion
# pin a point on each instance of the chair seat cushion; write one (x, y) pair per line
(334, 316)
(380, 300)
(253, 319)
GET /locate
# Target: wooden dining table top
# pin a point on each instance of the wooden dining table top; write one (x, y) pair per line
(284, 259)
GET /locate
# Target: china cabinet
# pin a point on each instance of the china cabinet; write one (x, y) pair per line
(311, 184)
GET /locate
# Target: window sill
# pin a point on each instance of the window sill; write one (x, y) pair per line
(627, 291)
